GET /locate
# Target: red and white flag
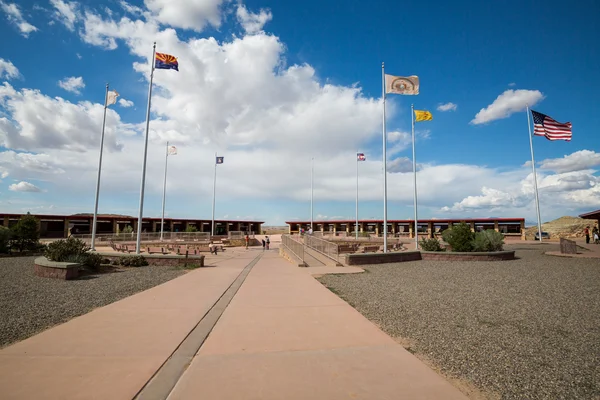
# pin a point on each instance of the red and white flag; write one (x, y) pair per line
(360, 157)
(543, 125)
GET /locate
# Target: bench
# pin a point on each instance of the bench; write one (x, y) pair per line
(346, 248)
(368, 249)
(155, 250)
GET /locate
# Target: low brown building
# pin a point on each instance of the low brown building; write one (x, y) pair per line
(61, 226)
(510, 227)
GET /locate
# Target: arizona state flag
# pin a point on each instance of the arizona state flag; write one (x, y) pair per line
(165, 61)
(421, 115)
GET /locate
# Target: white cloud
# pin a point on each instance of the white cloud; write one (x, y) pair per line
(125, 103)
(78, 56)
(579, 160)
(8, 70)
(130, 8)
(447, 107)
(400, 164)
(252, 23)
(66, 12)
(187, 14)
(512, 84)
(72, 84)
(13, 14)
(509, 102)
(24, 187)
(490, 199)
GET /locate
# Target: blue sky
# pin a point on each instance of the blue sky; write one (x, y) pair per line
(270, 84)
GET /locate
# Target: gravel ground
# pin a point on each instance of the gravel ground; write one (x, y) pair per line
(30, 304)
(522, 329)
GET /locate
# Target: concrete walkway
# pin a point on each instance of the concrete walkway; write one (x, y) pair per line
(282, 336)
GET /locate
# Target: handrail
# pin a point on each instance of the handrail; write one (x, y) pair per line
(294, 246)
(328, 249)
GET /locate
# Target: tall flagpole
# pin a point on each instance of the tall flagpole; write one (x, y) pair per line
(212, 229)
(535, 187)
(143, 184)
(93, 246)
(162, 219)
(356, 226)
(384, 165)
(312, 178)
(412, 113)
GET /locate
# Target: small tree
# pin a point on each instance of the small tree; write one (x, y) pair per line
(26, 234)
(460, 237)
(127, 229)
(5, 235)
(191, 228)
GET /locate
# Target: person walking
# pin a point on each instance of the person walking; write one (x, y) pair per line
(264, 244)
(268, 242)
(247, 241)
(596, 235)
(586, 232)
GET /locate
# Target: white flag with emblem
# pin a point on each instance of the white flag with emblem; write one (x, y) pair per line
(172, 150)
(402, 84)
(111, 97)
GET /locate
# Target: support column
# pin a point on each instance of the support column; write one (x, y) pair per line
(377, 229)
(430, 230)
(411, 231)
(154, 223)
(6, 221)
(496, 226)
(347, 229)
(66, 230)
(114, 226)
(135, 225)
(523, 230)
(472, 226)
(237, 227)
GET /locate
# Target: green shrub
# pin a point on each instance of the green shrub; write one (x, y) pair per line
(127, 229)
(61, 250)
(460, 237)
(488, 240)
(191, 228)
(93, 261)
(5, 235)
(431, 245)
(25, 234)
(133, 261)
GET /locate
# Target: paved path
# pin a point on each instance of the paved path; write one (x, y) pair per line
(282, 335)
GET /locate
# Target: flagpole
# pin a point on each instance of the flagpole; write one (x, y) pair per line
(312, 177)
(212, 229)
(412, 113)
(143, 184)
(162, 219)
(535, 187)
(94, 223)
(384, 164)
(356, 226)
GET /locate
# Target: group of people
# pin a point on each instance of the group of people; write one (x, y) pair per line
(595, 235)
(265, 242)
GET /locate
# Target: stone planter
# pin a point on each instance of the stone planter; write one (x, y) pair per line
(468, 256)
(56, 270)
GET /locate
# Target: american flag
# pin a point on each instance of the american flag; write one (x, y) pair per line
(220, 160)
(543, 125)
(361, 157)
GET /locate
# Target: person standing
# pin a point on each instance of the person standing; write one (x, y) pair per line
(587, 234)
(264, 244)
(268, 242)
(247, 241)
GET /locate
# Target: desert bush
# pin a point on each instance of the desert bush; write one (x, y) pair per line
(191, 228)
(25, 235)
(460, 237)
(488, 240)
(127, 229)
(62, 250)
(133, 261)
(431, 245)
(5, 235)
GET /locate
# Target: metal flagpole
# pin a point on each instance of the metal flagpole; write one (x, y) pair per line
(212, 229)
(162, 219)
(312, 177)
(94, 223)
(412, 113)
(356, 226)
(535, 187)
(384, 165)
(143, 184)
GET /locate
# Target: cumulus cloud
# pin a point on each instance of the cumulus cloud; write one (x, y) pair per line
(187, 14)
(251, 22)
(135, 10)
(400, 164)
(72, 84)
(509, 102)
(13, 14)
(490, 199)
(579, 160)
(65, 12)
(447, 107)
(24, 187)
(125, 103)
(8, 70)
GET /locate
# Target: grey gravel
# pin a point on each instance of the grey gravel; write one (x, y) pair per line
(30, 304)
(522, 329)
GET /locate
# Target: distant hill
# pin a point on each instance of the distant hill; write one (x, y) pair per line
(565, 227)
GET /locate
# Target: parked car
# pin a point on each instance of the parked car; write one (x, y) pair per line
(545, 235)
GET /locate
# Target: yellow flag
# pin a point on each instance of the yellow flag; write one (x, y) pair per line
(423, 116)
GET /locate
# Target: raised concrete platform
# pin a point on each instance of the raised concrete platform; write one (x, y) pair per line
(57, 270)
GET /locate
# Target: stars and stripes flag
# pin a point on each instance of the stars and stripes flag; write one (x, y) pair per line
(220, 160)
(360, 157)
(543, 125)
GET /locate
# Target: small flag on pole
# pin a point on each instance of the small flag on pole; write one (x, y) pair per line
(111, 97)
(361, 157)
(543, 125)
(220, 160)
(422, 116)
(402, 84)
(165, 61)
(172, 151)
